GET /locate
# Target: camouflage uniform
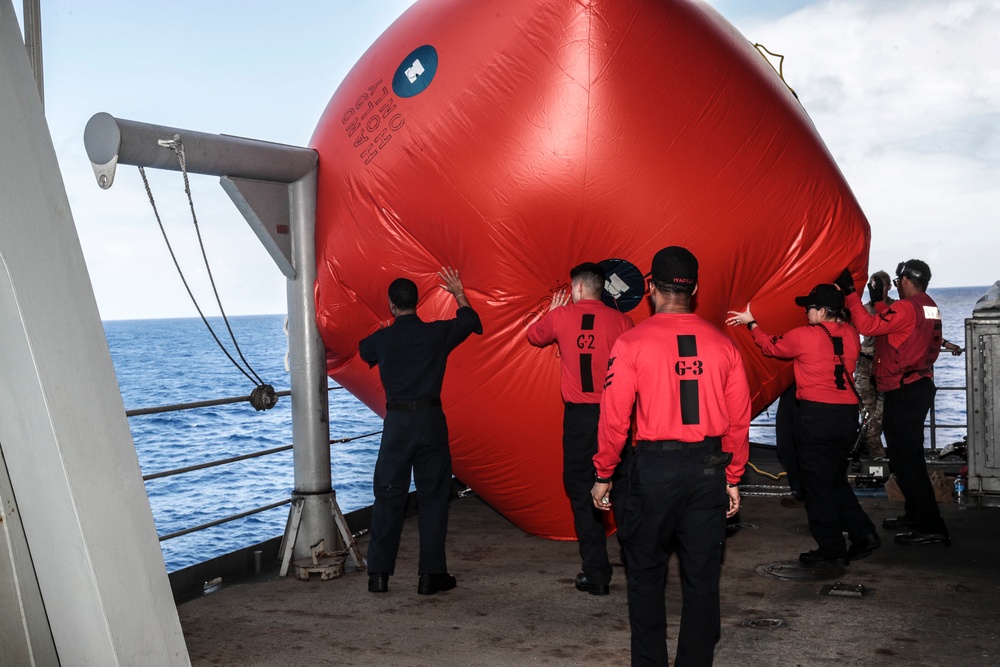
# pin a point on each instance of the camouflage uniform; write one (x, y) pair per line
(871, 399)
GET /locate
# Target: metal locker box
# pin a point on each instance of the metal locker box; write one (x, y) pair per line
(982, 340)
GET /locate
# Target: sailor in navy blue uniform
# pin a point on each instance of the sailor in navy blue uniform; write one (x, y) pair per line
(411, 355)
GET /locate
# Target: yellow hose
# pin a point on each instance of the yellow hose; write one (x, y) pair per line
(765, 473)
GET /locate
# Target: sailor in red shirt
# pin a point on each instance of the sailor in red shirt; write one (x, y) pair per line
(687, 383)
(824, 354)
(907, 342)
(584, 331)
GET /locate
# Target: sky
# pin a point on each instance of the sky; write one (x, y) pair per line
(905, 94)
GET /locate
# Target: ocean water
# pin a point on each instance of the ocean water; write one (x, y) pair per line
(172, 361)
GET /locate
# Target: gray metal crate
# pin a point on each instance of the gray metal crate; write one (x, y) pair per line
(982, 339)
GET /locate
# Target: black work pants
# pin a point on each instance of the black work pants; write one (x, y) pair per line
(416, 440)
(824, 434)
(784, 439)
(579, 446)
(903, 426)
(674, 501)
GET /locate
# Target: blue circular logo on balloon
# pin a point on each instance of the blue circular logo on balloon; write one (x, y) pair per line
(624, 284)
(416, 72)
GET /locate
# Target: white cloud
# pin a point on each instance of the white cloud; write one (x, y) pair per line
(907, 97)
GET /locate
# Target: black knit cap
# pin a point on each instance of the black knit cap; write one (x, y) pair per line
(824, 295)
(676, 266)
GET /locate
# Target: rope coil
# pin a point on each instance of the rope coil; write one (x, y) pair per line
(263, 397)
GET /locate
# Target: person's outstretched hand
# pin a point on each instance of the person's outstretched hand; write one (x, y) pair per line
(740, 317)
(876, 289)
(845, 281)
(559, 299)
(453, 284)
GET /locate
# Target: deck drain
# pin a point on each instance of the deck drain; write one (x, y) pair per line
(843, 590)
(765, 623)
(795, 571)
(742, 526)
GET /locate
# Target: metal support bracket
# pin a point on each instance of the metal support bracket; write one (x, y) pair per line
(291, 532)
(347, 536)
(295, 514)
(274, 187)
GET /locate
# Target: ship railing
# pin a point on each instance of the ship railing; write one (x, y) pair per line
(194, 405)
(931, 424)
(935, 426)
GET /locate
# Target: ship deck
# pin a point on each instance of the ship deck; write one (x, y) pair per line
(515, 603)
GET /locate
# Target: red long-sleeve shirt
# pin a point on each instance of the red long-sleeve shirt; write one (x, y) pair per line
(907, 338)
(688, 383)
(585, 332)
(819, 373)
(894, 320)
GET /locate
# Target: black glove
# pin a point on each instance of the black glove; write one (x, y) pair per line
(845, 281)
(876, 289)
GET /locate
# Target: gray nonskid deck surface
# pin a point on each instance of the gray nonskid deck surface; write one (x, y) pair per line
(516, 605)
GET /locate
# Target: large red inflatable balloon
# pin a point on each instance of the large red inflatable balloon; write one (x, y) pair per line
(514, 139)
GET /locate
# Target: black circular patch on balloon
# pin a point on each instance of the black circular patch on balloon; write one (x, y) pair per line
(416, 72)
(624, 284)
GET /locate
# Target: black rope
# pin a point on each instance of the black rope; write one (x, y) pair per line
(178, 148)
(353, 437)
(263, 396)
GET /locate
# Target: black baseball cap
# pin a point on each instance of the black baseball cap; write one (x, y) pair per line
(824, 295)
(676, 266)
